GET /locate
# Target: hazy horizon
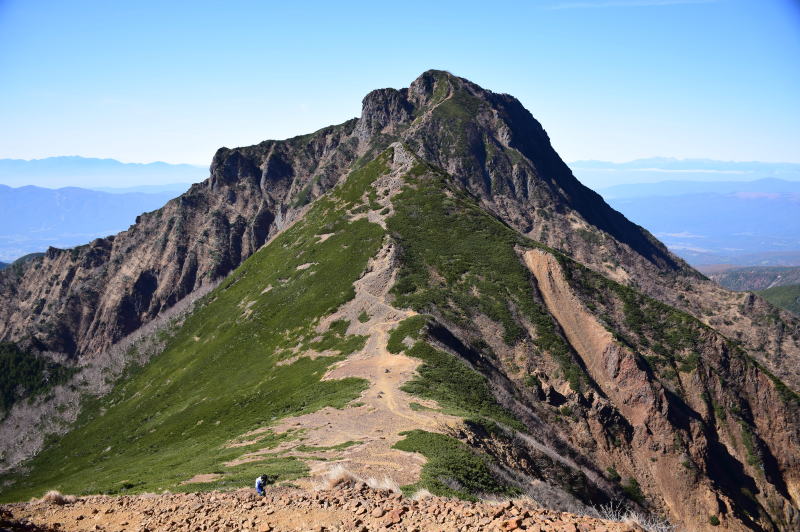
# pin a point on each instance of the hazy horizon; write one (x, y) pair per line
(108, 173)
(155, 81)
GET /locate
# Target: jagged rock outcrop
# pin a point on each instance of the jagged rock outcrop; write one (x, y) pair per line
(80, 301)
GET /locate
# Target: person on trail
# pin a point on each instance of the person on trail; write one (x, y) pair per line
(260, 483)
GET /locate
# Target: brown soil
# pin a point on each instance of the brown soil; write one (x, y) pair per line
(375, 425)
(347, 507)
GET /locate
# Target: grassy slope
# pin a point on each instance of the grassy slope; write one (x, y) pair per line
(453, 469)
(787, 297)
(458, 261)
(218, 377)
(460, 390)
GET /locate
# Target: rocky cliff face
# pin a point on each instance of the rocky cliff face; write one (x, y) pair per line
(82, 300)
(702, 417)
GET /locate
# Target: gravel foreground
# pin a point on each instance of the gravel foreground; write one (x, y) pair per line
(351, 508)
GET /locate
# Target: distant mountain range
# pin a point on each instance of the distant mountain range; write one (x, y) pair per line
(34, 218)
(603, 174)
(57, 172)
(759, 187)
(176, 188)
(727, 222)
(87, 172)
(755, 278)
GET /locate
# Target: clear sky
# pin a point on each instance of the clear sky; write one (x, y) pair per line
(615, 80)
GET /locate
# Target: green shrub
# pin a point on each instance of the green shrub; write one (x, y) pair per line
(533, 381)
(458, 262)
(459, 389)
(452, 469)
(24, 375)
(408, 328)
(633, 490)
(339, 326)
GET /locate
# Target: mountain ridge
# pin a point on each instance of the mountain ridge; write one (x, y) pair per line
(458, 225)
(602, 174)
(673, 188)
(259, 193)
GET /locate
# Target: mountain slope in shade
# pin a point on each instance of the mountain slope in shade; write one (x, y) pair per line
(393, 313)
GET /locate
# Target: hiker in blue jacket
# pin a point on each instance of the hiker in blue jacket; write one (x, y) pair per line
(260, 483)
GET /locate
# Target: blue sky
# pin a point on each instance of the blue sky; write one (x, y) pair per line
(609, 79)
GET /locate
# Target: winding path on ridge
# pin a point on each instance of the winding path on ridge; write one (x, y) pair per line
(383, 411)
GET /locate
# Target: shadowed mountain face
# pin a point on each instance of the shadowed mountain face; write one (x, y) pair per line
(523, 335)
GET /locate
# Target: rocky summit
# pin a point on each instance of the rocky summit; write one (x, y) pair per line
(424, 296)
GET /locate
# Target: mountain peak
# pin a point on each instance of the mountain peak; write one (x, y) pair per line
(383, 107)
(501, 153)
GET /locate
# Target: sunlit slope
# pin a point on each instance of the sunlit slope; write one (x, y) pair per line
(219, 375)
(787, 297)
(490, 364)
